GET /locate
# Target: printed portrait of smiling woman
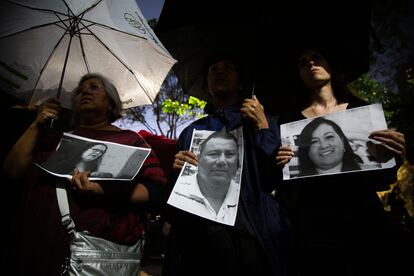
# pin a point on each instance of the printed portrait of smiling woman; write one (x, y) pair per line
(324, 148)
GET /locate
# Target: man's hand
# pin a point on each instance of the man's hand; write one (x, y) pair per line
(184, 156)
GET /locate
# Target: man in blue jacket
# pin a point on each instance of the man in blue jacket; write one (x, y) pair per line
(258, 242)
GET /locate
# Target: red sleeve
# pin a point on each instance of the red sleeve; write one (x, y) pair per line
(151, 176)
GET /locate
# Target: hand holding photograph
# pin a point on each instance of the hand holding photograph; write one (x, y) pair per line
(211, 189)
(336, 143)
(105, 160)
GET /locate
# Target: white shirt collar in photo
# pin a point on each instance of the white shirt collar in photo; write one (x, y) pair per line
(187, 196)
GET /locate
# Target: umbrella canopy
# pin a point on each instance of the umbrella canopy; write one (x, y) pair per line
(267, 37)
(212, 28)
(47, 45)
(200, 45)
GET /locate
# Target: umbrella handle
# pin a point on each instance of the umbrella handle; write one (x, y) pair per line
(52, 123)
(253, 89)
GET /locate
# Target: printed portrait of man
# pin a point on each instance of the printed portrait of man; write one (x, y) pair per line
(212, 189)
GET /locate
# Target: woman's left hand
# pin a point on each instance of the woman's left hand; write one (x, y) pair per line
(254, 111)
(392, 140)
(81, 183)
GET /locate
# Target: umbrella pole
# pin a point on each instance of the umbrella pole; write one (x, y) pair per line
(52, 121)
(64, 68)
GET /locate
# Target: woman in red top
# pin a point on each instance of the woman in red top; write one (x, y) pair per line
(109, 209)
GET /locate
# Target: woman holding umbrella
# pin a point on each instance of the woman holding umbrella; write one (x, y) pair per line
(339, 223)
(108, 209)
(257, 244)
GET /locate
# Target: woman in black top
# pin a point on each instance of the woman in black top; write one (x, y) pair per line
(339, 223)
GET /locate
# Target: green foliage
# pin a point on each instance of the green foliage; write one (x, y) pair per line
(372, 91)
(172, 109)
(192, 107)
(152, 23)
(397, 106)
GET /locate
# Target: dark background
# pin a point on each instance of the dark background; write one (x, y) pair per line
(275, 33)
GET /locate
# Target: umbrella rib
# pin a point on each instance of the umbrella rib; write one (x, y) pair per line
(113, 54)
(91, 7)
(111, 28)
(47, 61)
(83, 51)
(102, 25)
(35, 27)
(79, 35)
(70, 14)
(69, 10)
(57, 14)
(91, 23)
(36, 9)
(63, 21)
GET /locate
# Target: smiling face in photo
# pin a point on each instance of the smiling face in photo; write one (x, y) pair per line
(326, 149)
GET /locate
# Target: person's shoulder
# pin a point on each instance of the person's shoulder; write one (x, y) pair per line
(132, 138)
(128, 132)
(200, 124)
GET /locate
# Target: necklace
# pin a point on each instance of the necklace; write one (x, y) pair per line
(326, 111)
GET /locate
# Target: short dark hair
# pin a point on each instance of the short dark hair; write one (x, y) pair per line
(217, 134)
(224, 135)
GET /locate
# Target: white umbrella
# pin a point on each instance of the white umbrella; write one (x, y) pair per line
(47, 45)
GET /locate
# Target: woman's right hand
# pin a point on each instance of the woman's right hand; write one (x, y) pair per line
(81, 183)
(22, 155)
(184, 156)
(284, 155)
(49, 109)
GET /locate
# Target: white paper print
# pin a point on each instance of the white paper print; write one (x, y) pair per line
(336, 143)
(212, 189)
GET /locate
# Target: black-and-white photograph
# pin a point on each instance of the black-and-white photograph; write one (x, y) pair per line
(211, 189)
(336, 143)
(105, 160)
